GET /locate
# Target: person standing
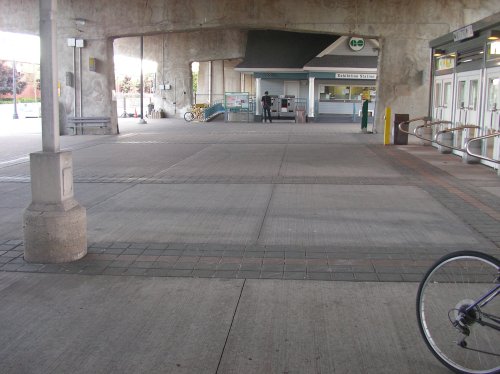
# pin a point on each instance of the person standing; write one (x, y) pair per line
(364, 110)
(266, 106)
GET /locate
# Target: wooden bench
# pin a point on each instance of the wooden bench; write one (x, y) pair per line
(76, 123)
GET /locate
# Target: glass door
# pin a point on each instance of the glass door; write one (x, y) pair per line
(492, 114)
(443, 94)
(442, 101)
(466, 106)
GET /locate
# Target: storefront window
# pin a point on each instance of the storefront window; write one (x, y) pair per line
(445, 62)
(347, 92)
(493, 49)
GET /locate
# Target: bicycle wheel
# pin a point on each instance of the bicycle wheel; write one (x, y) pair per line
(189, 116)
(457, 338)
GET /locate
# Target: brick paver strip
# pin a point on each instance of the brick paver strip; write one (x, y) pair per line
(340, 264)
(475, 206)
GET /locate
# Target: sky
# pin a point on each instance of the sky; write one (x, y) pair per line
(26, 48)
(21, 47)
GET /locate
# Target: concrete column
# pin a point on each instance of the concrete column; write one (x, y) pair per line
(210, 83)
(310, 110)
(258, 96)
(232, 78)
(55, 225)
(202, 96)
(217, 81)
(403, 77)
(90, 95)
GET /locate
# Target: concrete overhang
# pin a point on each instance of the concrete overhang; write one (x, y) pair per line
(479, 29)
(282, 50)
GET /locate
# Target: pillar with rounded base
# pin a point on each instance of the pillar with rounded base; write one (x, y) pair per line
(55, 225)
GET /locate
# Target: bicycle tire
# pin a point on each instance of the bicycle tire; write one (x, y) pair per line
(189, 116)
(448, 287)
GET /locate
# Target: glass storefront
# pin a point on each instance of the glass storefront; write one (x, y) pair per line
(355, 93)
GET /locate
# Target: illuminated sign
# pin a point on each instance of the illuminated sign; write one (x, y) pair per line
(355, 76)
(356, 44)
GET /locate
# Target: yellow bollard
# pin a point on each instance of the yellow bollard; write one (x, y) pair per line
(387, 126)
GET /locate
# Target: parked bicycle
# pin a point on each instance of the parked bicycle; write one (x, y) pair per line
(196, 113)
(458, 311)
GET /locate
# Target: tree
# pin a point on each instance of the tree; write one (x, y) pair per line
(126, 85)
(195, 81)
(6, 80)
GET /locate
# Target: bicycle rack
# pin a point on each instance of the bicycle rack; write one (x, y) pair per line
(416, 130)
(452, 129)
(467, 145)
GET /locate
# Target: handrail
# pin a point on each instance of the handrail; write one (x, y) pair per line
(467, 145)
(400, 126)
(429, 124)
(452, 129)
(417, 128)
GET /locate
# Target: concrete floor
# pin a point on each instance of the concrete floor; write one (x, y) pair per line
(250, 202)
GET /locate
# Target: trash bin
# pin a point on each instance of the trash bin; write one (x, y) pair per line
(400, 138)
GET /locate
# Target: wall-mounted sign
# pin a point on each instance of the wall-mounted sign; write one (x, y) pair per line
(355, 76)
(92, 64)
(236, 101)
(463, 33)
(356, 44)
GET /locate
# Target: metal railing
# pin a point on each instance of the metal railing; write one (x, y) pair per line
(478, 138)
(450, 130)
(427, 124)
(213, 110)
(430, 124)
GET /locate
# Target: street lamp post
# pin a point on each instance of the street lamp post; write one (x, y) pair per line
(14, 89)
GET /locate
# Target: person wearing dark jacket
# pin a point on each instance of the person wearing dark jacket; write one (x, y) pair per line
(266, 106)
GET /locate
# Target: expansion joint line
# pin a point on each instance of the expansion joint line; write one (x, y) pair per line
(230, 326)
(273, 187)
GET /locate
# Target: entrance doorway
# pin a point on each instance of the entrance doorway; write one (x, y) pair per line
(467, 105)
(492, 114)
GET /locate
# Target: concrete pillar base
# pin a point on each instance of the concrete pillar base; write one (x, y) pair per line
(55, 234)
(427, 134)
(55, 225)
(446, 139)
